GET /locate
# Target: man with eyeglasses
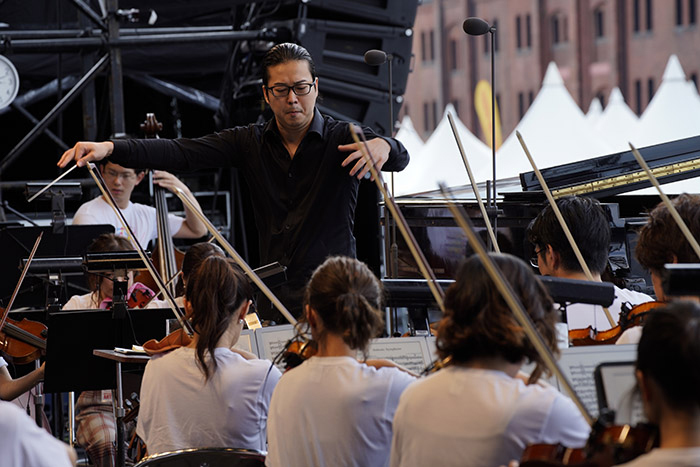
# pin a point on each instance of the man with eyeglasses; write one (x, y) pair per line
(302, 168)
(590, 227)
(141, 218)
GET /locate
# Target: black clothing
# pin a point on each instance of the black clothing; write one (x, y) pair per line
(304, 206)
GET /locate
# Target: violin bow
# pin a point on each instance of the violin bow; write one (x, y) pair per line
(562, 222)
(21, 279)
(146, 260)
(671, 208)
(236, 257)
(511, 299)
(401, 223)
(482, 207)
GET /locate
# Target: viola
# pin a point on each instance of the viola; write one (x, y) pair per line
(23, 341)
(632, 317)
(296, 351)
(174, 340)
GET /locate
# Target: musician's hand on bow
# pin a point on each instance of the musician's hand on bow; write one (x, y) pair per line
(378, 149)
(86, 151)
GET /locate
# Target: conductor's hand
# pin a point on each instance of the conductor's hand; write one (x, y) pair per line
(378, 149)
(86, 151)
(169, 181)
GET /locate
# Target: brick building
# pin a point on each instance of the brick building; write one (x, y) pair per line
(597, 44)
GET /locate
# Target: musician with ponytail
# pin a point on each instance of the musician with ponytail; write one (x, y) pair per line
(208, 394)
(334, 409)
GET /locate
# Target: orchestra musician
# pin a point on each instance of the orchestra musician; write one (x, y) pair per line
(333, 409)
(12, 388)
(23, 443)
(96, 424)
(554, 256)
(121, 182)
(660, 242)
(208, 394)
(302, 168)
(668, 375)
(478, 410)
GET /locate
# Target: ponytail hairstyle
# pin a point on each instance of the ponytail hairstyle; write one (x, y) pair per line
(347, 297)
(669, 353)
(216, 290)
(103, 244)
(478, 322)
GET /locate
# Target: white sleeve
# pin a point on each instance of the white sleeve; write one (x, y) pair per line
(565, 424)
(175, 223)
(3, 363)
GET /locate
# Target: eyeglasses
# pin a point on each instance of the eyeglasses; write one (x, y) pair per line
(282, 90)
(534, 261)
(113, 174)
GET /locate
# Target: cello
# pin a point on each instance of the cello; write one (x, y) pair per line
(165, 256)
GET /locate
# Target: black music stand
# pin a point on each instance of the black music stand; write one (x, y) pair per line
(17, 242)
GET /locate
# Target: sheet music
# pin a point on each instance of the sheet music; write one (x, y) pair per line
(409, 352)
(247, 342)
(271, 341)
(578, 365)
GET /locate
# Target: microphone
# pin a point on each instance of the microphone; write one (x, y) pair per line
(376, 57)
(475, 26)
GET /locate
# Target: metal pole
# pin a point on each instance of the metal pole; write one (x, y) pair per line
(116, 82)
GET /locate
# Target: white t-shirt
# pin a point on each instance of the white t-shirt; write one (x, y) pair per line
(141, 219)
(180, 410)
(677, 457)
(582, 315)
(89, 302)
(3, 362)
(473, 417)
(334, 411)
(24, 444)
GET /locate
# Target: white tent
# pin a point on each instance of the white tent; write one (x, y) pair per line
(409, 137)
(673, 111)
(618, 123)
(595, 110)
(672, 114)
(439, 160)
(554, 129)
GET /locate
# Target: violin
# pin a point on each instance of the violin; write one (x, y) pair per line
(629, 317)
(296, 351)
(23, 341)
(174, 340)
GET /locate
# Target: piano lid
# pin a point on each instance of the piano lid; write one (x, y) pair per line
(620, 173)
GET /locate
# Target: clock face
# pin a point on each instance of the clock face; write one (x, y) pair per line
(9, 82)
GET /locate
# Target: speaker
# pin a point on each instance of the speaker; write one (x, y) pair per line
(338, 50)
(392, 12)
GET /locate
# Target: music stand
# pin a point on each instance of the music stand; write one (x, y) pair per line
(17, 242)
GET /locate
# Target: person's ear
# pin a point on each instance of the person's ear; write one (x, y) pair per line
(139, 177)
(311, 317)
(553, 257)
(244, 309)
(264, 91)
(188, 308)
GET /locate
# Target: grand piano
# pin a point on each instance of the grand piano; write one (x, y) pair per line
(608, 178)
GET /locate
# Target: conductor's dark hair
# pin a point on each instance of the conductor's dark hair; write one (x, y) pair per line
(347, 297)
(216, 289)
(477, 321)
(283, 53)
(104, 244)
(589, 225)
(669, 353)
(660, 239)
(198, 253)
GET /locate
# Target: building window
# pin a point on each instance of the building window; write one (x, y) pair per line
(635, 16)
(691, 11)
(528, 32)
(555, 30)
(679, 12)
(498, 103)
(650, 88)
(518, 34)
(435, 115)
(426, 117)
(423, 47)
(521, 105)
(694, 79)
(455, 104)
(432, 45)
(598, 22)
(650, 17)
(638, 95)
(453, 54)
(530, 98)
(601, 97)
(486, 43)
